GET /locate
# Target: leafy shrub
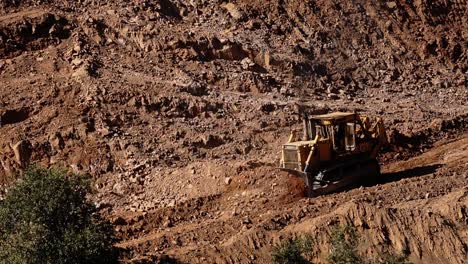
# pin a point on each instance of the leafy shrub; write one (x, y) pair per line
(394, 259)
(344, 242)
(292, 251)
(46, 218)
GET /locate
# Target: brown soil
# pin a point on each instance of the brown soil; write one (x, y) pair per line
(419, 208)
(178, 110)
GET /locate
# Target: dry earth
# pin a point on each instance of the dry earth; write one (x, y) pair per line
(178, 109)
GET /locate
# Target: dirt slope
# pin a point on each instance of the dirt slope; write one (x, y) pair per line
(178, 108)
(419, 211)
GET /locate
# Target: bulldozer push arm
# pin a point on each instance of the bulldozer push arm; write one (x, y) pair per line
(381, 136)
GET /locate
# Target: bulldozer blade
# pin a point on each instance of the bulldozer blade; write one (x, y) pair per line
(296, 173)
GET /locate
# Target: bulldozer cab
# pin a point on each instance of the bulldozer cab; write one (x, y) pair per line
(338, 127)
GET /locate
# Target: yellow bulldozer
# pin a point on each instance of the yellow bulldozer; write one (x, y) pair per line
(336, 151)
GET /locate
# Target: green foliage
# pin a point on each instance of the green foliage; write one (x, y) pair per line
(394, 259)
(292, 251)
(46, 218)
(344, 242)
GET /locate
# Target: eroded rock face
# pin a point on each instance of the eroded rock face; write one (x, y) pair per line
(33, 30)
(178, 109)
(22, 151)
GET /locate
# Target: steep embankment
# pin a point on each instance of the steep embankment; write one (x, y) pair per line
(178, 108)
(420, 211)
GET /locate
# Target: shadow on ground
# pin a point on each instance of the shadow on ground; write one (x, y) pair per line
(409, 173)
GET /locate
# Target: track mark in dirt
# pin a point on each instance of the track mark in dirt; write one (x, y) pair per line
(452, 153)
(21, 15)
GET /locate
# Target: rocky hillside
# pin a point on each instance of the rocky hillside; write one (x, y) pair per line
(172, 104)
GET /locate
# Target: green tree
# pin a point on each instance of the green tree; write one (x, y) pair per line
(344, 242)
(46, 218)
(292, 251)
